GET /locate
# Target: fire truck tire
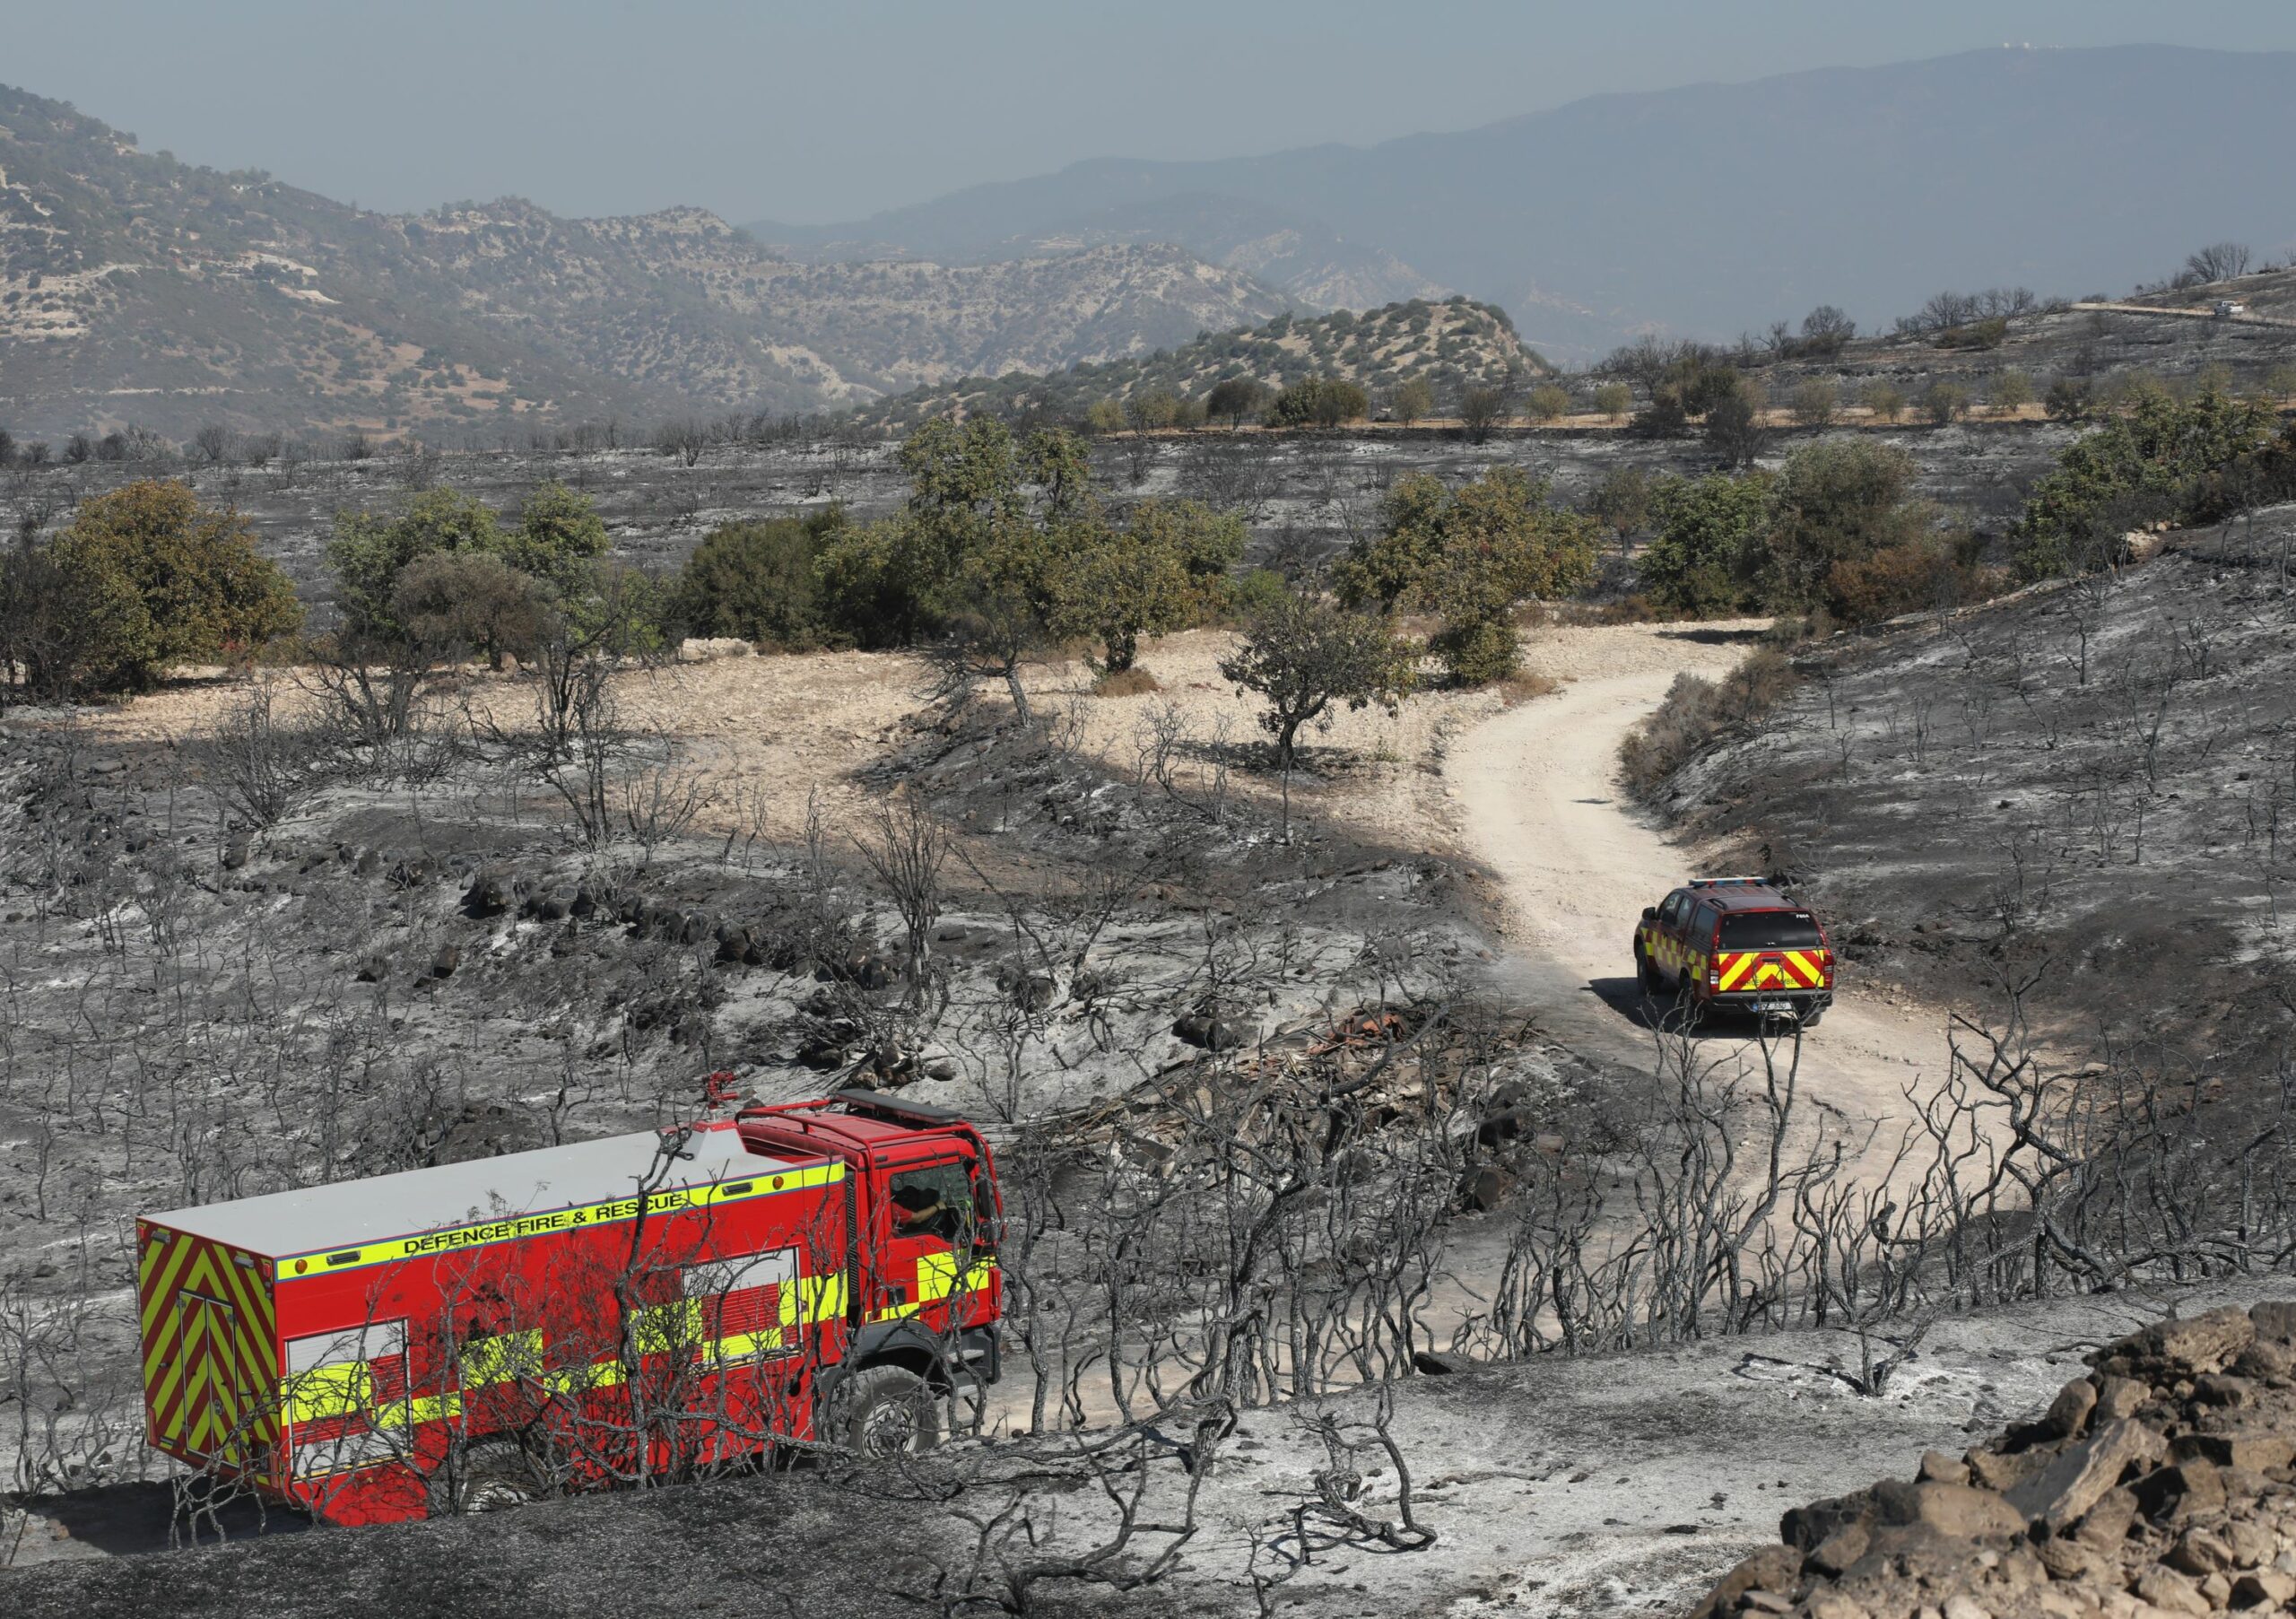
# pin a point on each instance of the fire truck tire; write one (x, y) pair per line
(491, 1475)
(1646, 975)
(884, 1410)
(1809, 1019)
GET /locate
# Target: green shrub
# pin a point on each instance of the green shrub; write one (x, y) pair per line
(756, 580)
(1320, 402)
(2137, 466)
(165, 580)
(1476, 650)
(1705, 550)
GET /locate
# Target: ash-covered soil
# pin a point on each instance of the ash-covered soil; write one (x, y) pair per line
(2091, 785)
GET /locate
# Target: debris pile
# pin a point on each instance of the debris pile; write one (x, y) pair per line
(2159, 1484)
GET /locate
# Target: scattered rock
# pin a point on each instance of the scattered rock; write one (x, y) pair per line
(2160, 1484)
(487, 895)
(1485, 1187)
(448, 958)
(1203, 1030)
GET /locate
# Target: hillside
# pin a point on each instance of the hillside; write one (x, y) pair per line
(1452, 345)
(1296, 255)
(135, 288)
(2067, 170)
(2083, 784)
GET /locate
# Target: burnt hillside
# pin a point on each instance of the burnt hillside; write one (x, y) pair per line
(2093, 781)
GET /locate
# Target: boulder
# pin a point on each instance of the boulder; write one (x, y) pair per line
(2201, 1344)
(487, 895)
(2076, 1478)
(1771, 1568)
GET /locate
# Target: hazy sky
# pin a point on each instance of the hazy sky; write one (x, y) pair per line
(833, 110)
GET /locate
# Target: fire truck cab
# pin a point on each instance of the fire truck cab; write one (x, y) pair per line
(1735, 944)
(646, 1306)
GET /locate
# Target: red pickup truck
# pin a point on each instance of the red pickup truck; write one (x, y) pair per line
(1735, 944)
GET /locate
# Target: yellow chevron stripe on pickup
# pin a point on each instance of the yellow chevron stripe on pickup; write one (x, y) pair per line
(515, 1228)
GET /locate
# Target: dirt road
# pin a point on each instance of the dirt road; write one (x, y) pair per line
(1538, 802)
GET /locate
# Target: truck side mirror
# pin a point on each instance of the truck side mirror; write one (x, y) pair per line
(1649, 913)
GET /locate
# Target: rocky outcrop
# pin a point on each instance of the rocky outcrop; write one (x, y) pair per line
(2159, 1484)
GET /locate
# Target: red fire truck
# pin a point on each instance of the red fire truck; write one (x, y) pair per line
(659, 1304)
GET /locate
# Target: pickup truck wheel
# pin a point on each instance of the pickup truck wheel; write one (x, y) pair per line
(1810, 1018)
(886, 1411)
(1646, 973)
(491, 1475)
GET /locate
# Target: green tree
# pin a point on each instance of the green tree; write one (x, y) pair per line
(1150, 410)
(1413, 400)
(447, 600)
(1481, 410)
(1734, 421)
(2132, 469)
(1885, 399)
(1548, 402)
(1705, 549)
(1321, 402)
(1944, 402)
(369, 550)
(61, 620)
(174, 581)
(1836, 501)
(1164, 570)
(1814, 401)
(1104, 417)
(1621, 503)
(1234, 399)
(1614, 399)
(1301, 655)
(2069, 399)
(757, 580)
(1470, 555)
(559, 539)
(2011, 392)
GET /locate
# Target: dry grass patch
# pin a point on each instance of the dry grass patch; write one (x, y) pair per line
(1126, 682)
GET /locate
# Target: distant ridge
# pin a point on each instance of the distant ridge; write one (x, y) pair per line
(1716, 208)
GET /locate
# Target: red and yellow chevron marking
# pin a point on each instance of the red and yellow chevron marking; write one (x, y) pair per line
(210, 1360)
(1758, 969)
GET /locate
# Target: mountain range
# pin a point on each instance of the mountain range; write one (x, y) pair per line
(137, 289)
(1714, 208)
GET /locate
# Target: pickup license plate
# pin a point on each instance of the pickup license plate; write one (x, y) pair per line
(1773, 1005)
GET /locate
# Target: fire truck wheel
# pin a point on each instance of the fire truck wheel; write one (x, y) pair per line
(887, 1411)
(1646, 974)
(1810, 1019)
(493, 1475)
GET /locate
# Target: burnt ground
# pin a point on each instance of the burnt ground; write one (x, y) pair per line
(2092, 781)
(1590, 1486)
(1303, 494)
(423, 964)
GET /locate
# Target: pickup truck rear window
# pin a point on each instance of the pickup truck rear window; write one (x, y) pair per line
(1771, 930)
